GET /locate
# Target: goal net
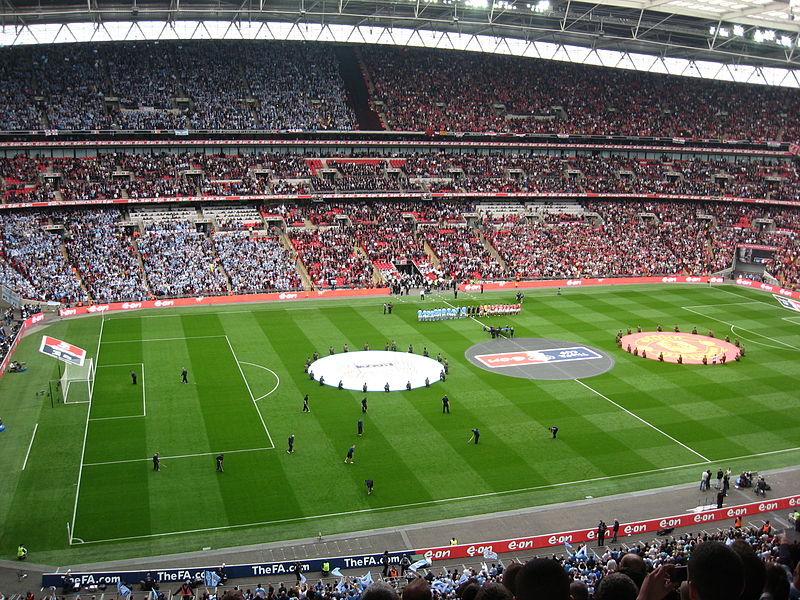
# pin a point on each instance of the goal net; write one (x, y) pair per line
(77, 383)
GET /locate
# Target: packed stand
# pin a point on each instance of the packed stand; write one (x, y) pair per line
(116, 176)
(104, 256)
(463, 254)
(331, 260)
(36, 255)
(255, 264)
(179, 261)
(431, 90)
(174, 85)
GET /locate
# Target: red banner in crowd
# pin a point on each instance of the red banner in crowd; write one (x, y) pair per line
(587, 535)
(32, 320)
(209, 300)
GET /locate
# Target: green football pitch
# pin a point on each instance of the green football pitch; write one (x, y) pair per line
(83, 487)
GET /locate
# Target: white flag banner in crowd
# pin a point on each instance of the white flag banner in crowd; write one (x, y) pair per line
(424, 562)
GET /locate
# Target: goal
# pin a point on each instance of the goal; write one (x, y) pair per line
(77, 382)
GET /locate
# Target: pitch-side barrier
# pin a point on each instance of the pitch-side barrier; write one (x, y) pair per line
(486, 549)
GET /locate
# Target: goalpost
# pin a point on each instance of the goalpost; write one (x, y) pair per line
(77, 382)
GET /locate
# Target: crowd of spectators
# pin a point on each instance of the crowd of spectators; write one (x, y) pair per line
(74, 255)
(10, 325)
(180, 261)
(190, 174)
(103, 255)
(35, 254)
(430, 90)
(256, 264)
(740, 563)
(237, 85)
(331, 259)
(735, 564)
(361, 176)
(243, 85)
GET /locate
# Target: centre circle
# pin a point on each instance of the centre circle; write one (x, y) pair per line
(376, 369)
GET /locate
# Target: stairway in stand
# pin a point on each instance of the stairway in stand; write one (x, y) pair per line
(357, 93)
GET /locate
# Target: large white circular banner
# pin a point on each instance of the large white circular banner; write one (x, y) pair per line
(376, 368)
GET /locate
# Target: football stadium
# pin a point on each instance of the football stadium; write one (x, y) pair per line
(463, 299)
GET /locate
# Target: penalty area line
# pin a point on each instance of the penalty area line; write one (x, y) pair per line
(249, 391)
(170, 339)
(134, 460)
(443, 500)
(30, 445)
(734, 326)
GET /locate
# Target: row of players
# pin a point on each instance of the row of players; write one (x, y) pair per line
(463, 312)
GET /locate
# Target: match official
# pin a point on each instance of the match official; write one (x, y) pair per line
(184, 375)
(133, 377)
(220, 468)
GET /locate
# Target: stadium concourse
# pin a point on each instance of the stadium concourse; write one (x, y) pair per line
(768, 537)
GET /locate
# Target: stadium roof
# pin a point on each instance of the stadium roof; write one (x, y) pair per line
(744, 40)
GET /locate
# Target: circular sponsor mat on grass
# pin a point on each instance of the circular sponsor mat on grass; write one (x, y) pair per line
(539, 358)
(691, 347)
(376, 368)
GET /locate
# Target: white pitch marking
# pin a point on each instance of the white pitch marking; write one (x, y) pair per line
(30, 445)
(133, 460)
(470, 316)
(172, 339)
(86, 428)
(637, 417)
(249, 391)
(266, 369)
(733, 325)
(443, 500)
(722, 304)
